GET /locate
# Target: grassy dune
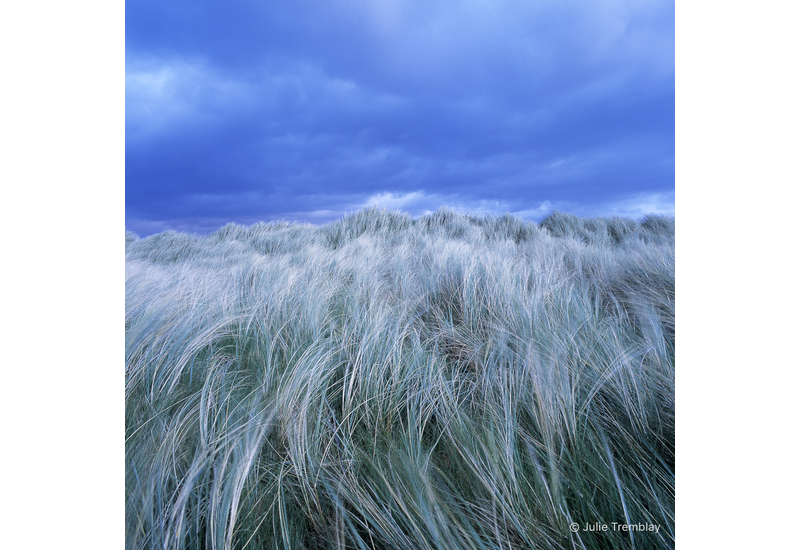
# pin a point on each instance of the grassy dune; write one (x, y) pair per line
(389, 383)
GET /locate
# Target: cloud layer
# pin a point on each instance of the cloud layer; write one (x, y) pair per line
(258, 111)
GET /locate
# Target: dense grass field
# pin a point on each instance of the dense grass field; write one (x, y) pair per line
(385, 382)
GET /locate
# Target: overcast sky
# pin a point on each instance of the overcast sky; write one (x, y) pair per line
(307, 109)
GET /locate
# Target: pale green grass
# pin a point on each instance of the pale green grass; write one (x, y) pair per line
(384, 383)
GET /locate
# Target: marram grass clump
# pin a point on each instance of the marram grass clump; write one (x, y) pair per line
(385, 382)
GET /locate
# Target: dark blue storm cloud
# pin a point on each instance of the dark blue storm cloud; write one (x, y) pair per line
(304, 110)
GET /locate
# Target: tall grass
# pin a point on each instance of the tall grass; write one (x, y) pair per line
(386, 382)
